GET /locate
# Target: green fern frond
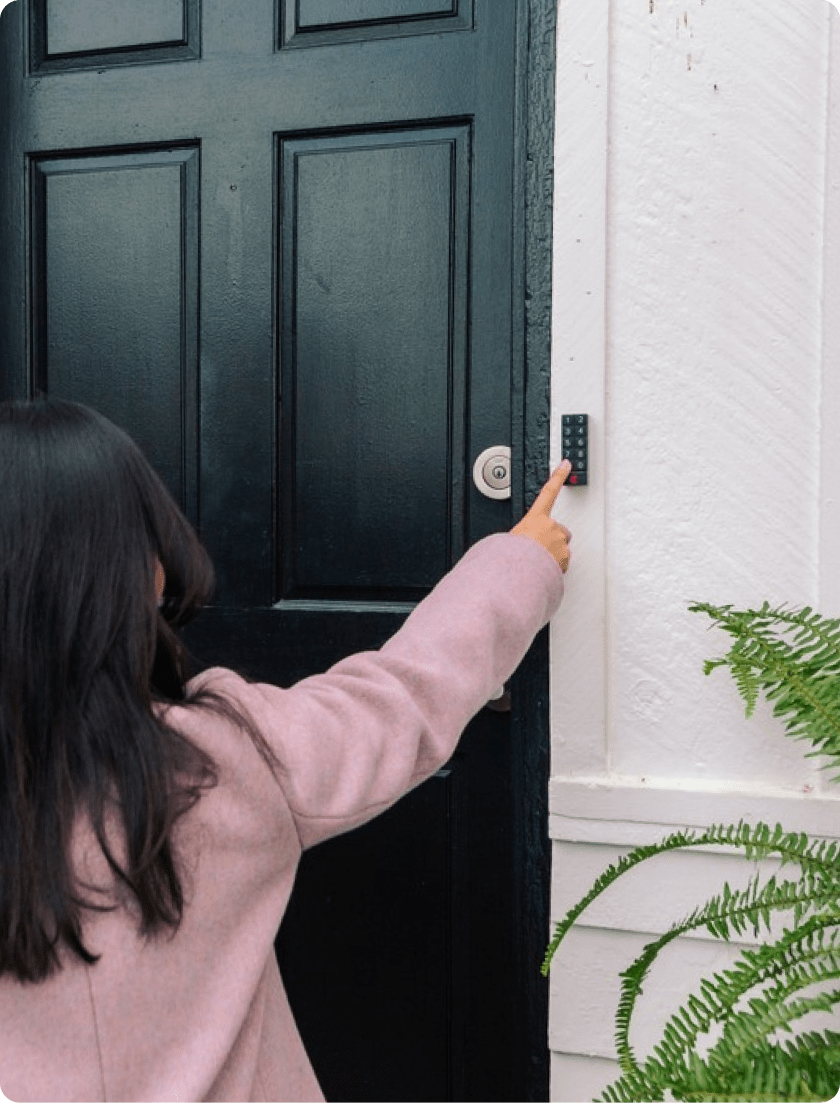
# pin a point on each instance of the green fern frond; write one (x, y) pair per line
(770, 1011)
(794, 657)
(766, 1077)
(757, 841)
(721, 915)
(815, 902)
(769, 1071)
(812, 951)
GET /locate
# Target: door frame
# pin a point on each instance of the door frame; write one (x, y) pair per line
(536, 31)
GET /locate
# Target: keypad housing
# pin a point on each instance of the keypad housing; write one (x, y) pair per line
(575, 429)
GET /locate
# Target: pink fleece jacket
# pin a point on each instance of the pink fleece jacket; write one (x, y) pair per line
(203, 1015)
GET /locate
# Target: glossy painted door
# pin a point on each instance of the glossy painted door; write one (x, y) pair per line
(275, 241)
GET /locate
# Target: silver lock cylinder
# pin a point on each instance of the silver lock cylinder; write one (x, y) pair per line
(491, 471)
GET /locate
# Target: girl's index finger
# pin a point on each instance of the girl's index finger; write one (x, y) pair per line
(544, 502)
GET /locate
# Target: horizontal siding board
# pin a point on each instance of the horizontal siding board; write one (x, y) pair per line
(654, 895)
(585, 988)
(613, 800)
(580, 1076)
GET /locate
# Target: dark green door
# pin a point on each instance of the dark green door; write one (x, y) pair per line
(276, 241)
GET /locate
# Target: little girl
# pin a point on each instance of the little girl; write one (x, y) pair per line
(150, 826)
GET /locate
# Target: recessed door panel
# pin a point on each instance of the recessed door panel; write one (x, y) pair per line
(314, 22)
(73, 34)
(325, 13)
(115, 243)
(75, 26)
(374, 318)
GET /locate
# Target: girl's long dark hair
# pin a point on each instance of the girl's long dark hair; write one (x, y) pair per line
(85, 653)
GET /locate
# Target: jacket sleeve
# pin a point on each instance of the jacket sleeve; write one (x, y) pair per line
(353, 740)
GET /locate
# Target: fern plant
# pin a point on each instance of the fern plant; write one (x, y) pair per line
(741, 1036)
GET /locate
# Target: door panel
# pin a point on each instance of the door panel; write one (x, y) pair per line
(375, 233)
(313, 22)
(98, 278)
(76, 34)
(280, 253)
(325, 13)
(75, 26)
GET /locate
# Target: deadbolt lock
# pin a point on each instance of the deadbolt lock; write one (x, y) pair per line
(491, 472)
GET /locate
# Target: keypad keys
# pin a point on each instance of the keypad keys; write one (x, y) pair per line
(575, 442)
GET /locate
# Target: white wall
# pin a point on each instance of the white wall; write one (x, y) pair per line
(697, 297)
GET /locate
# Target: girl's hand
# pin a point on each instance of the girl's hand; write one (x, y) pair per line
(538, 525)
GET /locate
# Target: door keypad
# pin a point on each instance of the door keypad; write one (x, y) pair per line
(575, 428)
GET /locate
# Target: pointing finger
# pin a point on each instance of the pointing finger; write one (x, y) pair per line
(544, 502)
